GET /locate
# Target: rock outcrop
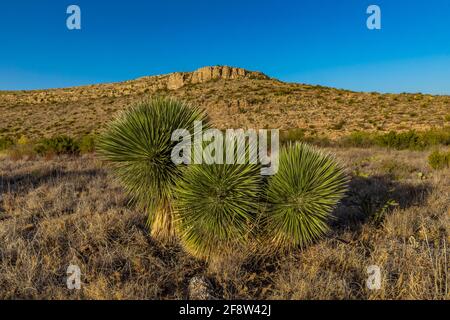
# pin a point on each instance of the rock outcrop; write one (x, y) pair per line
(179, 79)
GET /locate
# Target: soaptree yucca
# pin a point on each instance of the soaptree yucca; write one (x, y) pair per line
(138, 145)
(216, 207)
(302, 195)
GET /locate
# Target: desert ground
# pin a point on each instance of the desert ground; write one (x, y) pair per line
(68, 210)
(58, 210)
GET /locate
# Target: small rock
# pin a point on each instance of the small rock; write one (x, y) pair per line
(199, 289)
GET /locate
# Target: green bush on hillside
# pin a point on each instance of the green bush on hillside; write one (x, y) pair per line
(57, 145)
(87, 144)
(412, 140)
(6, 143)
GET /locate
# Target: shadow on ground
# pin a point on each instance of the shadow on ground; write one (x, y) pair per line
(370, 199)
(29, 181)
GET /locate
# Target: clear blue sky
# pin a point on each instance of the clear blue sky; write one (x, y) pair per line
(317, 41)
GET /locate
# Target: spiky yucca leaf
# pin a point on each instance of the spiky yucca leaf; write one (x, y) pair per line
(302, 195)
(216, 206)
(138, 145)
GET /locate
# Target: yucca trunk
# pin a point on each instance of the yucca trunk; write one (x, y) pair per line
(162, 225)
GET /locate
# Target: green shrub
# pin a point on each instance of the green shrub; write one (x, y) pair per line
(302, 195)
(435, 137)
(400, 141)
(439, 160)
(22, 148)
(318, 141)
(358, 140)
(298, 135)
(411, 140)
(57, 145)
(138, 145)
(216, 207)
(292, 135)
(23, 140)
(6, 143)
(87, 144)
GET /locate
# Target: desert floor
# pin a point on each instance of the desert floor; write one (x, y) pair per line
(68, 210)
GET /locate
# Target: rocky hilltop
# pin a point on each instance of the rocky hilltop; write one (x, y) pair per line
(148, 84)
(179, 79)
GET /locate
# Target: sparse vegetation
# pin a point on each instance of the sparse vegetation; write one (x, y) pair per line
(439, 160)
(411, 140)
(87, 144)
(292, 135)
(76, 111)
(6, 143)
(57, 145)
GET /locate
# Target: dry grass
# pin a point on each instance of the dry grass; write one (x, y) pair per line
(68, 210)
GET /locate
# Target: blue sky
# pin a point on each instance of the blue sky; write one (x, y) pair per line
(317, 41)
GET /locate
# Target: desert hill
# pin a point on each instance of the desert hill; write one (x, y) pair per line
(233, 97)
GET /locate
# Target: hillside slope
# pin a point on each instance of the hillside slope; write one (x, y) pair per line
(233, 97)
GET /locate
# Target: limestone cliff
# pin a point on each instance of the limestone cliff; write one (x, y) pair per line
(179, 79)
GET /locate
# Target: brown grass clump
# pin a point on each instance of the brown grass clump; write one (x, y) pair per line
(68, 210)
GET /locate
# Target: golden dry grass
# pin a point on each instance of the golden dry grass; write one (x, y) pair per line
(68, 210)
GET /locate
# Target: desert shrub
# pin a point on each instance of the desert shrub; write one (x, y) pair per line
(6, 143)
(57, 145)
(302, 195)
(439, 160)
(292, 135)
(399, 141)
(357, 139)
(435, 137)
(298, 135)
(396, 169)
(318, 141)
(339, 125)
(87, 144)
(138, 145)
(23, 140)
(411, 140)
(23, 148)
(216, 207)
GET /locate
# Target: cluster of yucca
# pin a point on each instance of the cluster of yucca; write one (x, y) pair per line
(214, 207)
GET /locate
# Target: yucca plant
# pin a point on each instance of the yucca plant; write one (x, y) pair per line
(138, 145)
(216, 206)
(302, 195)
